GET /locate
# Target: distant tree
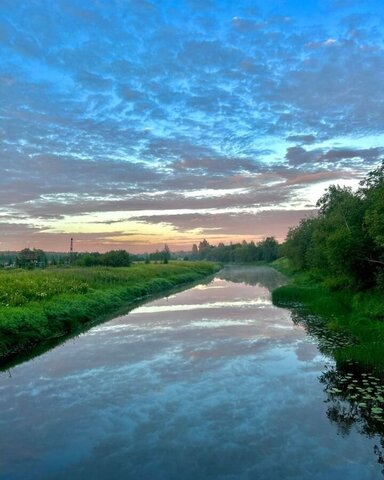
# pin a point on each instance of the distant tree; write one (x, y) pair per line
(155, 255)
(41, 258)
(116, 258)
(29, 259)
(7, 259)
(195, 252)
(166, 254)
(113, 258)
(269, 249)
(88, 259)
(204, 248)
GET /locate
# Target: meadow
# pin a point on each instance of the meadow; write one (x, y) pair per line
(37, 306)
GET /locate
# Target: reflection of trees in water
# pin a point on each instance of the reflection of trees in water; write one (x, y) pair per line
(355, 396)
(356, 400)
(326, 339)
(253, 275)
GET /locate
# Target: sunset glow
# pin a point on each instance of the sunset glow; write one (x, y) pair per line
(134, 124)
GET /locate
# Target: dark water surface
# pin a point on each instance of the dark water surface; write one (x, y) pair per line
(211, 383)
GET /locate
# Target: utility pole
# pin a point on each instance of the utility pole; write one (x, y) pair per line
(71, 251)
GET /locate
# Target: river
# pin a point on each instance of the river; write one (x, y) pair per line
(210, 383)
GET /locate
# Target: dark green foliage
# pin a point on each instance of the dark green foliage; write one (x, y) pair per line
(162, 256)
(29, 259)
(114, 258)
(359, 315)
(166, 254)
(264, 251)
(337, 260)
(345, 242)
(88, 259)
(7, 259)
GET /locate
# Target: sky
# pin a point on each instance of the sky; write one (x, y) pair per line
(134, 123)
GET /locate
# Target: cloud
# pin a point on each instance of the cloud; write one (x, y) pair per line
(102, 108)
(28, 178)
(304, 139)
(329, 42)
(244, 25)
(92, 81)
(299, 156)
(224, 226)
(367, 154)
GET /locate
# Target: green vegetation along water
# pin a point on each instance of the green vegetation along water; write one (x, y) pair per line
(337, 262)
(344, 244)
(214, 382)
(357, 315)
(41, 305)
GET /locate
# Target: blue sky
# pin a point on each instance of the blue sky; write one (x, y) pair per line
(128, 124)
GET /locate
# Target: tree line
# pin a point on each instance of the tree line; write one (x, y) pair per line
(37, 258)
(344, 244)
(113, 258)
(266, 250)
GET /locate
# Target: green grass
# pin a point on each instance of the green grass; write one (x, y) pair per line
(360, 315)
(283, 265)
(40, 305)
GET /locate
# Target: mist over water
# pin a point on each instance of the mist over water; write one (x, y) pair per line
(211, 383)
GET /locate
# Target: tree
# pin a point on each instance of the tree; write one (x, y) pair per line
(204, 248)
(269, 249)
(29, 259)
(195, 252)
(298, 242)
(116, 258)
(88, 259)
(166, 254)
(345, 243)
(372, 191)
(26, 259)
(41, 258)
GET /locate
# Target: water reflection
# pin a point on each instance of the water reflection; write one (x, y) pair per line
(264, 276)
(355, 396)
(40, 349)
(210, 383)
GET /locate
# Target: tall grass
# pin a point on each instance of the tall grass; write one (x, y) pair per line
(39, 305)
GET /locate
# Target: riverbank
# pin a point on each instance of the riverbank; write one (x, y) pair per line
(40, 305)
(360, 315)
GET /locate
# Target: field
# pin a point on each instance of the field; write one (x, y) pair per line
(40, 305)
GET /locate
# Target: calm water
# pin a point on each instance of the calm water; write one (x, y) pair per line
(211, 383)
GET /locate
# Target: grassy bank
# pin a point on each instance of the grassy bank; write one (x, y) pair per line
(37, 306)
(358, 314)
